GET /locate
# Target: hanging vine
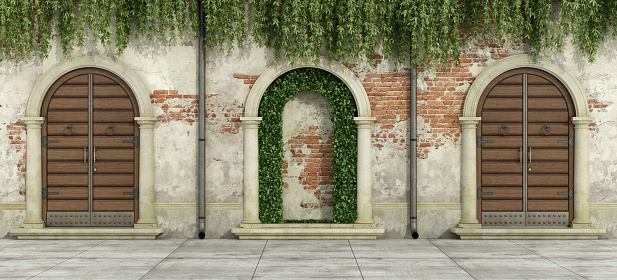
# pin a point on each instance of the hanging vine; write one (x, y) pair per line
(425, 30)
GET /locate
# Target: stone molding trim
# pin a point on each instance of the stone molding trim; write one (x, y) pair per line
(139, 88)
(525, 61)
(284, 66)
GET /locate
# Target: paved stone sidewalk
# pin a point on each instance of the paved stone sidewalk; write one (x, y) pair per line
(296, 259)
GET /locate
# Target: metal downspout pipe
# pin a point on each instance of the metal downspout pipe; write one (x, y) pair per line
(413, 178)
(201, 150)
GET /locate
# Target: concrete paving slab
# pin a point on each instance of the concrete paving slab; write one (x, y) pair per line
(307, 268)
(100, 268)
(400, 268)
(220, 268)
(607, 242)
(585, 249)
(133, 249)
(20, 268)
(8, 242)
(499, 249)
(396, 248)
(510, 268)
(219, 248)
(307, 249)
(48, 249)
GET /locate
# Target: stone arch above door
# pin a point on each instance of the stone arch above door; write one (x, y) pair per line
(33, 227)
(469, 226)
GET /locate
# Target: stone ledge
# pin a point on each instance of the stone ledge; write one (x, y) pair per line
(305, 231)
(86, 233)
(528, 233)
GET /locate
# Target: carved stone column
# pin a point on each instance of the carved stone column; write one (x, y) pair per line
(34, 181)
(146, 173)
(581, 172)
(250, 127)
(365, 172)
(468, 173)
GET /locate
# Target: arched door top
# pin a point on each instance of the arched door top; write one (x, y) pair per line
(50, 76)
(347, 76)
(521, 61)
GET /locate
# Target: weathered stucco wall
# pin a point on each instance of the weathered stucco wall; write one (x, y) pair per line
(170, 75)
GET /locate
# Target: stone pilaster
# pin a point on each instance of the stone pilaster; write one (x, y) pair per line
(365, 172)
(468, 173)
(581, 172)
(34, 182)
(250, 127)
(146, 173)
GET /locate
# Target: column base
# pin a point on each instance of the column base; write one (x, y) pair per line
(145, 225)
(250, 225)
(33, 225)
(582, 225)
(364, 225)
(469, 225)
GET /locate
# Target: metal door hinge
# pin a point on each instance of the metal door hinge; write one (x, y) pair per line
(135, 193)
(135, 141)
(481, 193)
(480, 142)
(46, 193)
(570, 141)
(45, 141)
(570, 193)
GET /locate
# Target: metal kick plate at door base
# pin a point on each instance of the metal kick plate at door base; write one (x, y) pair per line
(68, 219)
(112, 219)
(522, 219)
(547, 218)
(515, 219)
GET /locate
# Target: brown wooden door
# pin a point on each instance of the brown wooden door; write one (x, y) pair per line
(525, 160)
(90, 151)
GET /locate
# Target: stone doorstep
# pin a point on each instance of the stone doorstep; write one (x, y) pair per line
(306, 231)
(86, 233)
(528, 233)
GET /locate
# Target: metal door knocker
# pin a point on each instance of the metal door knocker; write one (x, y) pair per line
(110, 130)
(68, 130)
(504, 130)
(546, 130)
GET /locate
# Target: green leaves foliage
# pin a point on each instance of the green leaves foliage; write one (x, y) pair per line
(344, 140)
(403, 30)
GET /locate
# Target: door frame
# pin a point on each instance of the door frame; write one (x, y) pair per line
(34, 121)
(469, 121)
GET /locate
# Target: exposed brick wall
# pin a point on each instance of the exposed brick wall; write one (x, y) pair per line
(316, 175)
(595, 106)
(16, 131)
(225, 115)
(176, 107)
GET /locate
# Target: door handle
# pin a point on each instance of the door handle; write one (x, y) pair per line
(529, 154)
(520, 154)
(85, 154)
(94, 156)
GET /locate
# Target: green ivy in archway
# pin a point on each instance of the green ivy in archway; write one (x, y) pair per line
(344, 140)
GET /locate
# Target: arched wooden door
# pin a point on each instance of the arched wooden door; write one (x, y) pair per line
(525, 151)
(90, 151)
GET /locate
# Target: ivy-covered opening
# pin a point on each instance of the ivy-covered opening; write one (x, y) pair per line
(344, 163)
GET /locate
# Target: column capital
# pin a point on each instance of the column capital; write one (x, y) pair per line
(146, 122)
(250, 122)
(33, 122)
(581, 122)
(469, 122)
(364, 122)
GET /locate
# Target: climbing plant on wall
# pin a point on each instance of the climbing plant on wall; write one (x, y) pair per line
(425, 30)
(344, 141)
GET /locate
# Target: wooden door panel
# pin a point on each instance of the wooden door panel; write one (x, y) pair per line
(537, 80)
(540, 155)
(501, 142)
(68, 104)
(117, 167)
(506, 91)
(112, 142)
(112, 104)
(60, 129)
(547, 192)
(113, 180)
(547, 104)
(108, 91)
(114, 154)
(502, 116)
(547, 142)
(555, 167)
(503, 104)
(68, 142)
(500, 154)
(113, 193)
(502, 167)
(67, 167)
(544, 116)
(112, 205)
(502, 205)
(67, 116)
(67, 180)
(67, 205)
(502, 180)
(121, 129)
(547, 205)
(502, 193)
(116, 116)
(73, 91)
(543, 91)
(547, 180)
(555, 129)
(68, 193)
(495, 129)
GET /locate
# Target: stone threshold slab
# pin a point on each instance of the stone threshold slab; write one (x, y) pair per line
(86, 233)
(307, 231)
(528, 233)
